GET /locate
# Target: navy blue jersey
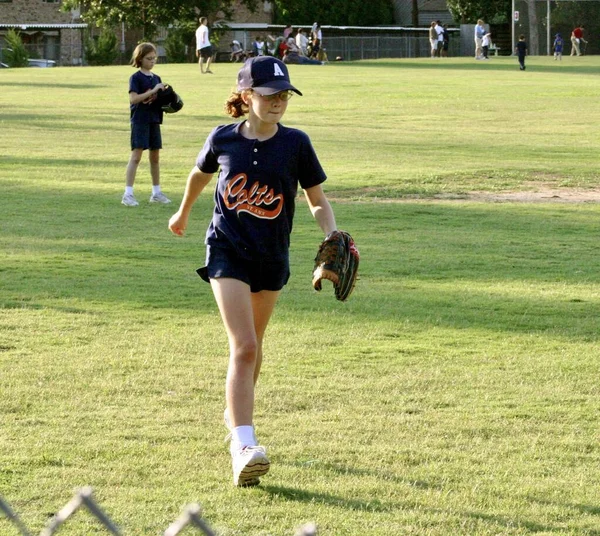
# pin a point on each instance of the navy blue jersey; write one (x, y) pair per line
(521, 48)
(257, 187)
(143, 112)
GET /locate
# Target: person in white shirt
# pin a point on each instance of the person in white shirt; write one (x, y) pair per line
(485, 45)
(440, 38)
(203, 47)
(258, 47)
(302, 41)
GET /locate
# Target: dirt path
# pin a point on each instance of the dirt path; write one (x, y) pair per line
(540, 195)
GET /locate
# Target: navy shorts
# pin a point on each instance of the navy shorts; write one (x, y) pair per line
(205, 52)
(145, 136)
(258, 274)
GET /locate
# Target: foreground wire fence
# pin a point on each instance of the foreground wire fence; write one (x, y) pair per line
(191, 517)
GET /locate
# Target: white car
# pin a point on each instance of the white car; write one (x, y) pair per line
(41, 63)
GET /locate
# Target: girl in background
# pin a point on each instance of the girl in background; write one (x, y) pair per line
(146, 118)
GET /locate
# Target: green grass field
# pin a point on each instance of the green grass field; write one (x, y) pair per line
(456, 392)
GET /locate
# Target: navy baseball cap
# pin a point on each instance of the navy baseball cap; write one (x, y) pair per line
(265, 75)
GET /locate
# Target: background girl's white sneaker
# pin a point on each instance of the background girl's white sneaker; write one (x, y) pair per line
(159, 198)
(129, 200)
(249, 464)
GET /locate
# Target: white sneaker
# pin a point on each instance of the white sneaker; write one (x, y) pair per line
(129, 200)
(159, 198)
(249, 463)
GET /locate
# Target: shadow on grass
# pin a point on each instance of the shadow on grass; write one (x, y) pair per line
(529, 526)
(440, 265)
(54, 85)
(336, 469)
(303, 495)
(55, 165)
(502, 64)
(376, 506)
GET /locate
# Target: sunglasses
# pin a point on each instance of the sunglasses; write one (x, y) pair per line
(282, 95)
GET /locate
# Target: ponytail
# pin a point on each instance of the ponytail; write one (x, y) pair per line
(235, 105)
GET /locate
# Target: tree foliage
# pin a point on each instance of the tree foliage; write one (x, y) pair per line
(150, 14)
(103, 50)
(15, 55)
(469, 11)
(334, 12)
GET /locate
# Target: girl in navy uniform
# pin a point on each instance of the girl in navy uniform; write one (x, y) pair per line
(260, 165)
(146, 117)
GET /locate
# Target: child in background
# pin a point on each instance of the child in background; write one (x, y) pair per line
(521, 51)
(146, 118)
(260, 164)
(485, 45)
(558, 47)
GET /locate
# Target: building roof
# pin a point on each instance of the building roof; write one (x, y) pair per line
(38, 26)
(434, 5)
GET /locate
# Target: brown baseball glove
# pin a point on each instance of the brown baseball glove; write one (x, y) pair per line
(337, 260)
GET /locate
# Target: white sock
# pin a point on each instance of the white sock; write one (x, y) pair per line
(243, 436)
(129, 190)
(155, 189)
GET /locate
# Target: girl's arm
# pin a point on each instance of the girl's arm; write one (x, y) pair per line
(196, 182)
(136, 98)
(320, 208)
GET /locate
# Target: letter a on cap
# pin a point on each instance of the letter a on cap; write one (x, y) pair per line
(277, 70)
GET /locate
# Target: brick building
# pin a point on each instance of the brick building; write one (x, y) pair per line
(50, 33)
(46, 31)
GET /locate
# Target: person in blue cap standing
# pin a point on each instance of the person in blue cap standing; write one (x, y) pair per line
(260, 164)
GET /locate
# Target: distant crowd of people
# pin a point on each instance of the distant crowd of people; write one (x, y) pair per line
(292, 46)
(483, 42)
(439, 38)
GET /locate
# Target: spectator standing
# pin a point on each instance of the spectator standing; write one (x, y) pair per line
(302, 41)
(446, 44)
(316, 37)
(258, 47)
(203, 46)
(558, 45)
(439, 30)
(479, 33)
(433, 39)
(576, 40)
(521, 51)
(287, 31)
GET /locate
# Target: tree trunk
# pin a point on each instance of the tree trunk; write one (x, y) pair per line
(534, 38)
(415, 13)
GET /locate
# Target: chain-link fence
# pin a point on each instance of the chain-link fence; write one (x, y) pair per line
(191, 517)
(372, 48)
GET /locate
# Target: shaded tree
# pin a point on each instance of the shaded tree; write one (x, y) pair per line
(415, 13)
(468, 11)
(150, 14)
(334, 12)
(102, 50)
(15, 55)
(534, 37)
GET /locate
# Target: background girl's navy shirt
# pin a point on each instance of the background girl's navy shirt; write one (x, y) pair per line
(144, 113)
(257, 187)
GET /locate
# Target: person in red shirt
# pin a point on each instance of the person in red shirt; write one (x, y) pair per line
(576, 39)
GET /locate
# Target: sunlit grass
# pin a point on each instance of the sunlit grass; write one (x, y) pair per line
(454, 393)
